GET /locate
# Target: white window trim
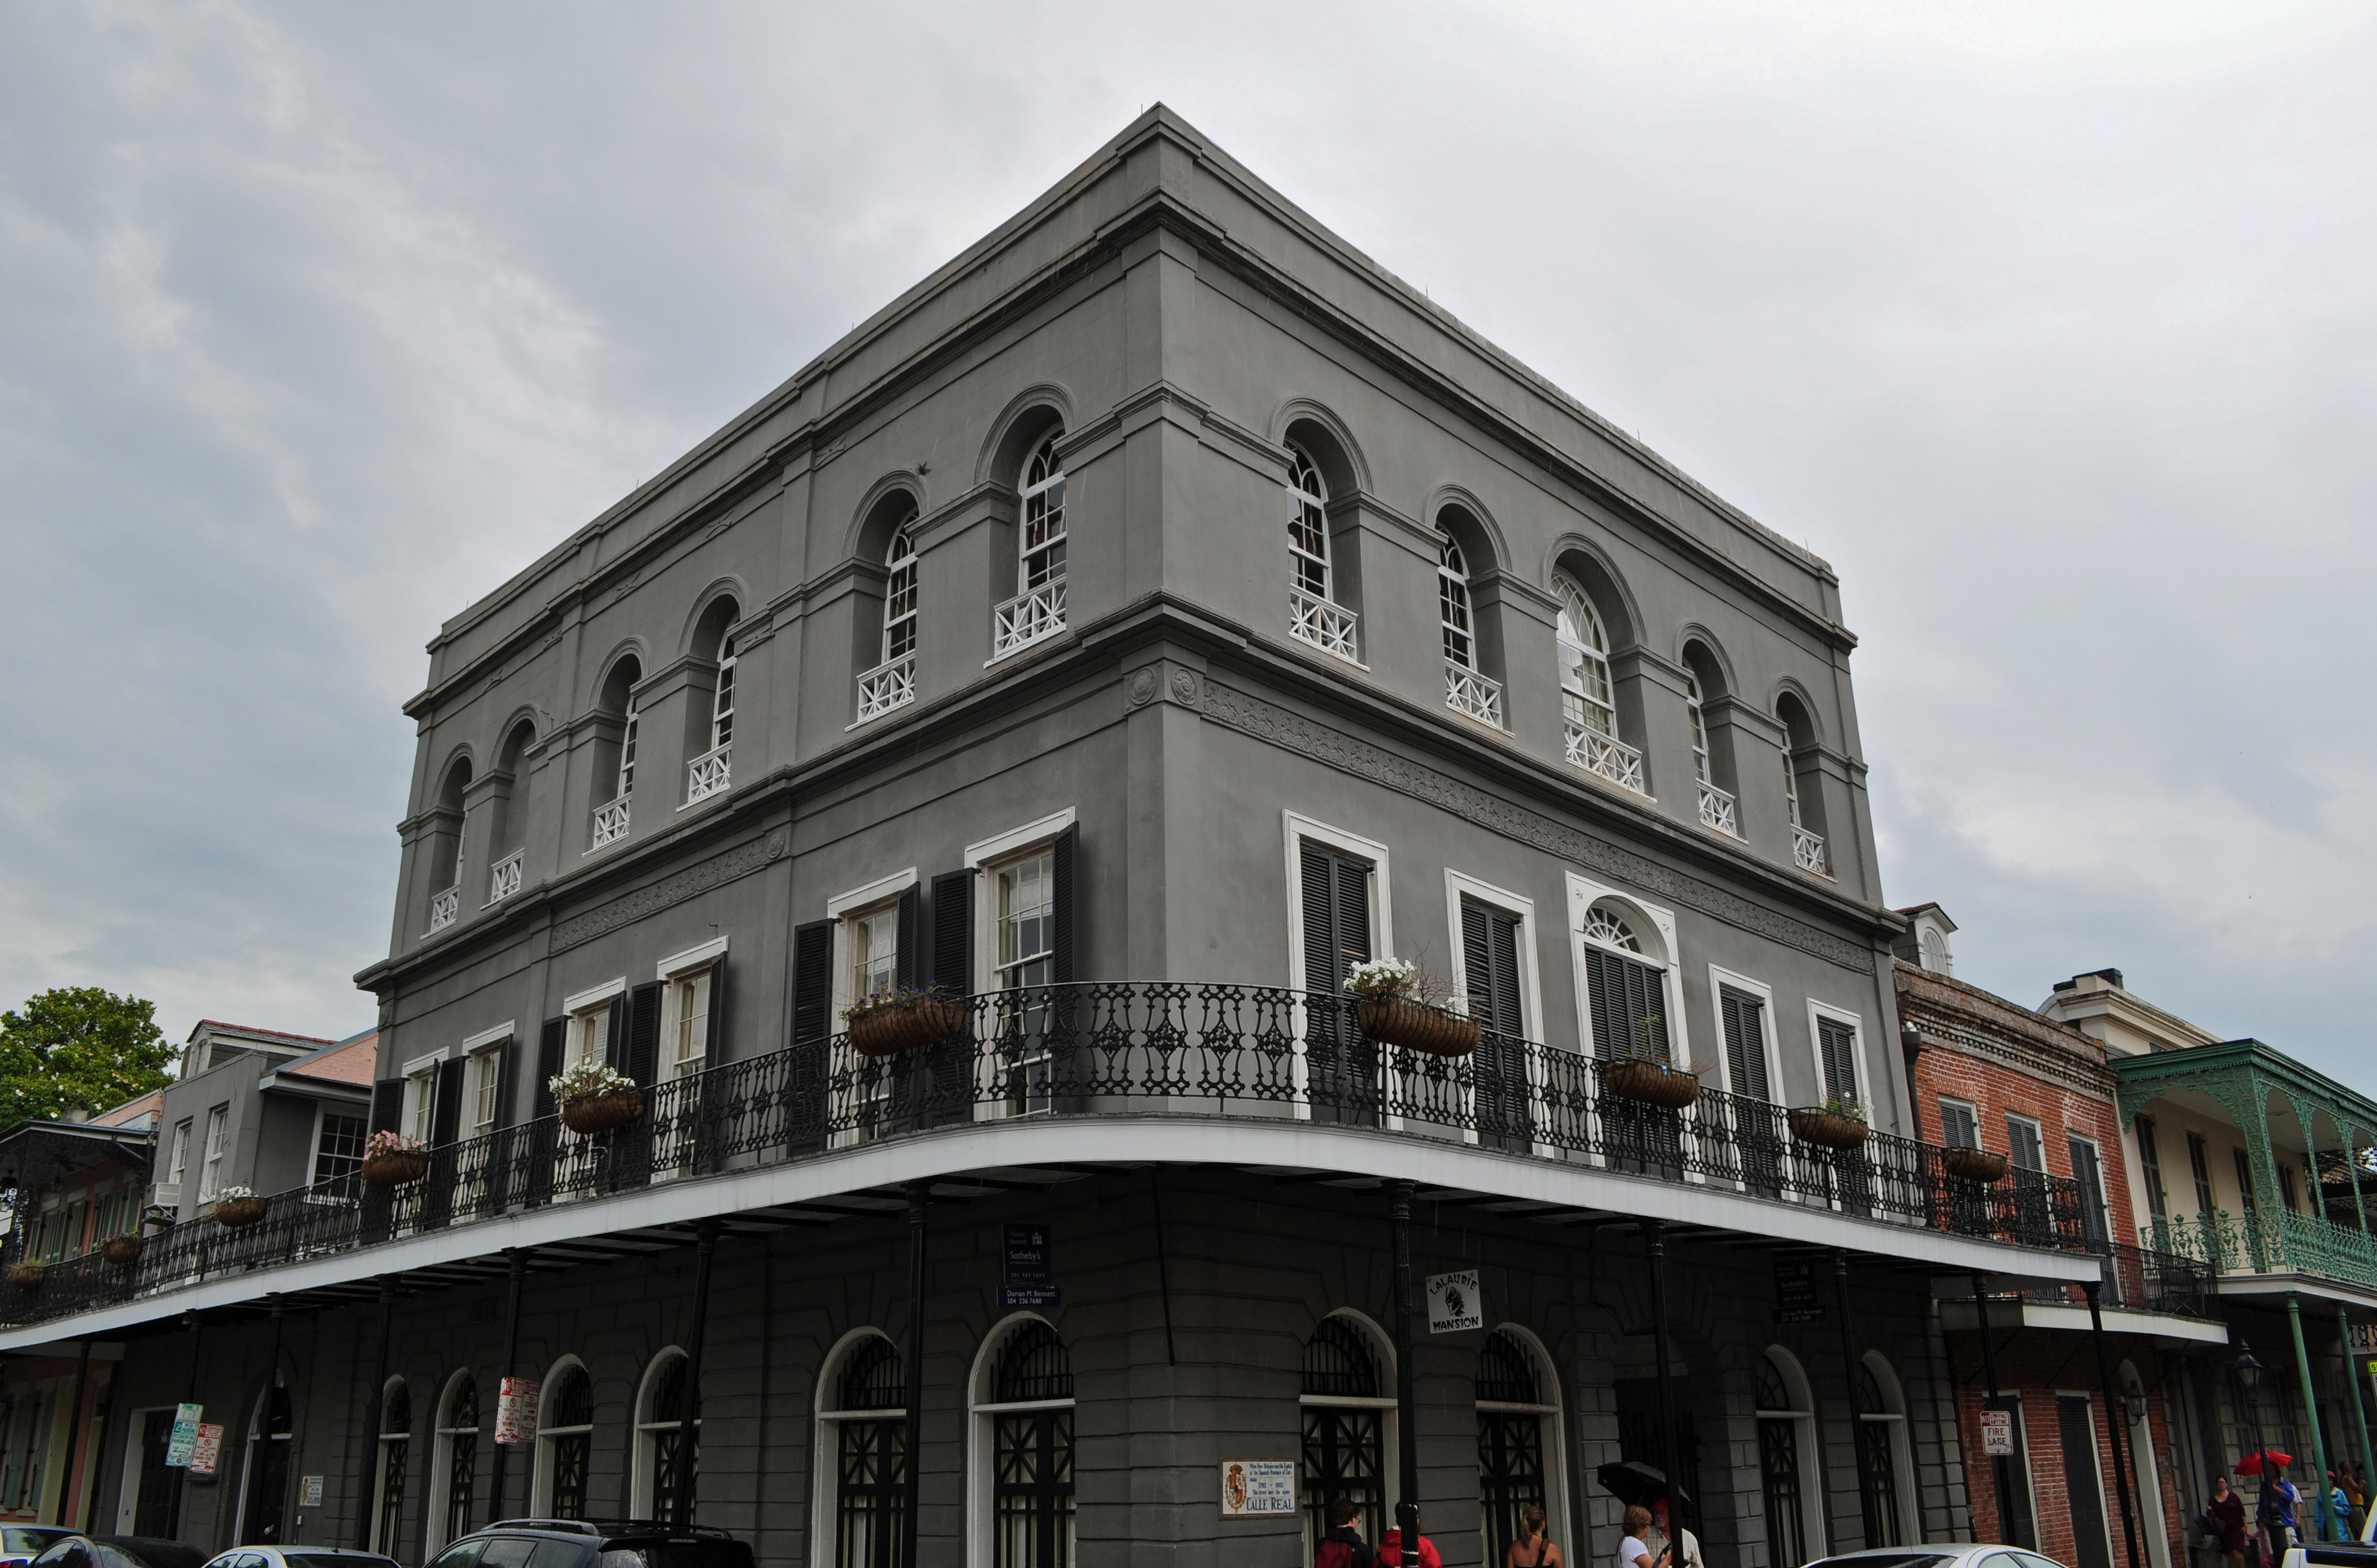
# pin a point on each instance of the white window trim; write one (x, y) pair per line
(323, 1110)
(880, 891)
(1582, 893)
(1722, 979)
(504, 1030)
(1971, 1108)
(982, 1465)
(1856, 1053)
(1005, 845)
(421, 1064)
(541, 1472)
(699, 958)
(1296, 828)
(579, 1002)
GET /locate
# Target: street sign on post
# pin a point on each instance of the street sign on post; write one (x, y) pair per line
(1454, 1302)
(1997, 1434)
(184, 1439)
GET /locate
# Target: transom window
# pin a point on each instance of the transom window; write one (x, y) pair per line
(1307, 523)
(1027, 922)
(1044, 517)
(899, 593)
(1452, 608)
(1603, 925)
(1584, 662)
(721, 705)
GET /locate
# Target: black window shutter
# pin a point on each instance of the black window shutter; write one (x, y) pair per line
(644, 1033)
(1489, 951)
(954, 933)
(812, 980)
(1837, 1043)
(1745, 1042)
(1322, 975)
(614, 1038)
(1601, 985)
(446, 1119)
(386, 1105)
(1504, 943)
(905, 968)
(717, 1042)
(1064, 859)
(550, 1045)
(1353, 916)
(1630, 1006)
(507, 1079)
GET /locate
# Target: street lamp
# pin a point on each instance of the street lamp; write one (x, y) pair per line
(2250, 1373)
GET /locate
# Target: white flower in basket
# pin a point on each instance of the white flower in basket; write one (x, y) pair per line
(1383, 976)
(588, 1080)
(233, 1194)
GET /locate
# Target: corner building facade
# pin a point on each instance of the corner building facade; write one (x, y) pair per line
(1151, 614)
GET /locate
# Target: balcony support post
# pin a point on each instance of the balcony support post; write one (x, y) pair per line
(97, 1448)
(271, 1385)
(1655, 1237)
(74, 1425)
(1997, 1464)
(2310, 1414)
(705, 1250)
(2352, 1381)
(518, 1260)
(367, 1474)
(1857, 1410)
(189, 1397)
(912, 1495)
(1399, 1201)
(2124, 1480)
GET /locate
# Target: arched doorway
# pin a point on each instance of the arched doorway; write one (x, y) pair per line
(1022, 1393)
(1348, 1424)
(862, 1480)
(1885, 1458)
(267, 1482)
(1518, 1439)
(1788, 1472)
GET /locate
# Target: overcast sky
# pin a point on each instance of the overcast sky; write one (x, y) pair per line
(2053, 327)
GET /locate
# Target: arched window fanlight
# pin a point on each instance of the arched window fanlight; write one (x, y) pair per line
(1606, 927)
(871, 1378)
(1506, 1373)
(1338, 1361)
(1037, 609)
(1034, 1366)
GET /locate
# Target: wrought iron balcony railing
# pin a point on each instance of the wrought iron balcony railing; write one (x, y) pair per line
(610, 822)
(1718, 811)
(1233, 1052)
(1027, 618)
(2269, 1241)
(2137, 1280)
(505, 879)
(1332, 628)
(444, 906)
(710, 774)
(1808, 851)
(887, 685)
(1604, 755)
(1465, 691)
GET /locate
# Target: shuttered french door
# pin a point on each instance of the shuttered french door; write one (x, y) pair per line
(1343, 1066)
(1629, 1001)
(1759, 1127)
(1489, 951)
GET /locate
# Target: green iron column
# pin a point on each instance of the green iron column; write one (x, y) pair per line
(2352, 1381)
(2310, 1410)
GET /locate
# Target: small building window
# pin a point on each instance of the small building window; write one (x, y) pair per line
(721, 703)
(1307, 524)
(210, 1173)
(1452, 608)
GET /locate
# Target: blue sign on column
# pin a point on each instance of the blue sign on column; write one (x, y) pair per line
(1028, 1276)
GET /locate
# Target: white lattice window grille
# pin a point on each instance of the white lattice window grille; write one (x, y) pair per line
(445, 908)
(1329, 627)
(1598, 753)
(709, 774)
(1718, 811)
(1603, 925)
(887, 686)
(505, 879)
(610, 822)
(1808, 851)
(1027, 617)
(1465, 691)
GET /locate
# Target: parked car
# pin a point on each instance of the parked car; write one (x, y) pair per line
(118, 1551)
(300, 1557)
(22, 1543)
(595, 1543)
(1951, 1555)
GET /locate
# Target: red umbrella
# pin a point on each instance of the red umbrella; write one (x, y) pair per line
(2251, 1465)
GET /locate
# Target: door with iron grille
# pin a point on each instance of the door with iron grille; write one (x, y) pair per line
(871, 1464)
(1032, 1451)
(1345, 1438)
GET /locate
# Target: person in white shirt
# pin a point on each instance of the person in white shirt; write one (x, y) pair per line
(1661, 1533)
(1634, 1552)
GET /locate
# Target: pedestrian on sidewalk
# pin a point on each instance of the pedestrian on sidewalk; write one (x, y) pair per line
(1343, 1547)
(1534, 1548)
(1635, 1551)
(1391, 1548)
(2224, 1522)
(1688, 1545)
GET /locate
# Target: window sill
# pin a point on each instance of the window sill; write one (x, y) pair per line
(1051, 634)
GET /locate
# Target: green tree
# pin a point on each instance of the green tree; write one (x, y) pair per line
(78, 1046)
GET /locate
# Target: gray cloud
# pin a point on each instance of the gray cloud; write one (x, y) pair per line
(2052, 328)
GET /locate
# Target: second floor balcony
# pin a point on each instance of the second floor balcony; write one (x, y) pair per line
(444, 906)
(610, 822)
(2268, 1240)
(1605, 756)
(1808, 851)
(1148, 1059)
(1465, 691)
(1330, 627)
(505, 879)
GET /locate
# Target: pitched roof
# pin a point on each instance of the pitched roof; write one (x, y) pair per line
(350, 1061)
(251, 1030)
(132, 1110)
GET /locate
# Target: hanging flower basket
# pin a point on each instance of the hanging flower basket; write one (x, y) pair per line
(395, 1167)
(1652, 1083)
(1828, 1129)
(604, 1112)
(1974, 1165)
(890, 1028)
(238, 1213)
(1415, 1025)
(26, 1276)
(122, 1251)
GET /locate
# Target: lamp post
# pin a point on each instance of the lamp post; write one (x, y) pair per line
(2250, 1373)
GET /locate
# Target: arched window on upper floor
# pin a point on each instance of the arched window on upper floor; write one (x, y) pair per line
(712, 743)
(1467, 688)
(892, 682)
(1037, 610)
(616, 760)
(1712, 746)
(1316, 617)
(1588, 697)
(445, 836)
(508, 815)
(1803, 796)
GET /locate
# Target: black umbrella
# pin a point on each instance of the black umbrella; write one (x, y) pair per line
(1637, 1484)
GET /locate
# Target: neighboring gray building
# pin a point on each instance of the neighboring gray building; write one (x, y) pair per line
(1154, 612)
(260, 1110)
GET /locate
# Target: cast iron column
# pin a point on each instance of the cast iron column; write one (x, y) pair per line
(2352, 1381)
(518, 1260)
(2114, 1406)
(106, 1424)
(74, 1445)
(688, 1431)
(189, 1397)
(1989, 1367)
(1399, 1197)
(1654, 1235)
(2311, 1411)
(1857, 1411)
(368, 1476)
(271, 1381)
(912, 1499)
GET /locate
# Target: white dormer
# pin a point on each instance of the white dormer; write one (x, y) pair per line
(1926, 942)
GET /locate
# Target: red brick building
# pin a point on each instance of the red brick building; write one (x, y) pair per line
(1992, 1075)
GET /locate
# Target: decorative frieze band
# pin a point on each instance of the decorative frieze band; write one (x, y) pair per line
(1250, 715)
(715, 871)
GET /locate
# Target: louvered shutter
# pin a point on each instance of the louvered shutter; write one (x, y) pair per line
(1489, 951)
(551, 1042)
(1957, 1127)
(954, 933)
(1628, 999)
(1745, 1042)
(387, 1105)
(2090, 1175)
(445, 1118)
(1836, 1043)
(643, 1057)
(507, 1079)
(1064, 861)
(716, 1043)
(2022, 1143)
(1323, 975)
(905, 965)
(614, 1038)
(812, 980)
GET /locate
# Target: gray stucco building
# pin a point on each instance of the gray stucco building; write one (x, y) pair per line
(1150, 614)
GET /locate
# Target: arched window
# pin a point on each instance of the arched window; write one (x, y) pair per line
(1807, 812)
(1885, 1464)
(721, 701)
(862, 1453)
(509, 815)
(395, 1443)
(1713, 777)
(892, 682)
(565, 1440)
(1314, 616)
(1023, 1446)
(1588, 701)
(1038, 609)
(268, 1467)
(445, 857)
(612, 816)
(1626, 988)
(1518, 1439)
(1347, 1421)
(458, 1459)
(1466, 688)
(659, 1417)
(1787, 1428)
(712, 772)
